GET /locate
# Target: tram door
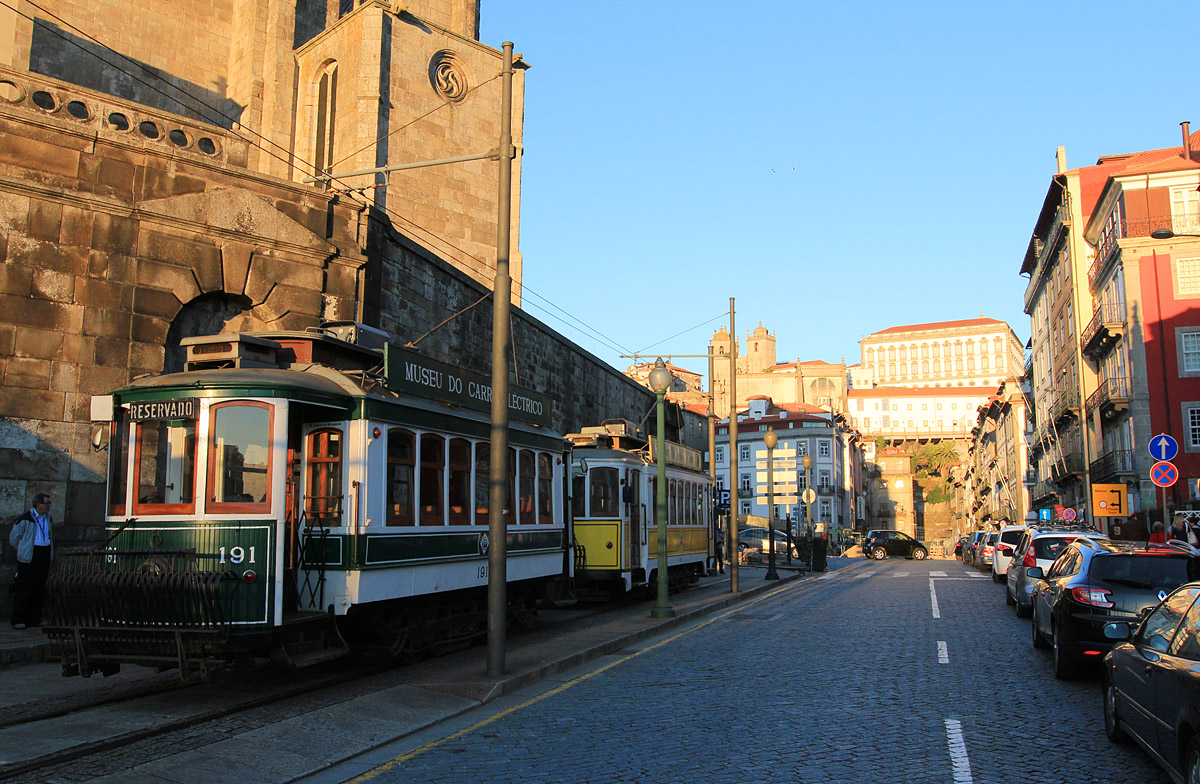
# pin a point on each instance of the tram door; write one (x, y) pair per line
(633, 483)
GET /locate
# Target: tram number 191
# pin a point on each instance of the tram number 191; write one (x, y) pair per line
(237, 555)
(481, 573)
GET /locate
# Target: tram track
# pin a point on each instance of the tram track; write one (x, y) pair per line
(225, 697)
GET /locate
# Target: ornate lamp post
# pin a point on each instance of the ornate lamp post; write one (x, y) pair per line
(660, 381)
(807, 462)
(770, 439)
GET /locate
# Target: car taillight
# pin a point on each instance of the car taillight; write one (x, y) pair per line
(1029, 560)
(1096, 597)
(988, 550)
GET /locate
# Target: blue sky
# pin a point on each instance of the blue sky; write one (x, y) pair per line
(838, 168)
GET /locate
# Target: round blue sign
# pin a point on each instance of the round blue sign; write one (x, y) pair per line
(1163, 447)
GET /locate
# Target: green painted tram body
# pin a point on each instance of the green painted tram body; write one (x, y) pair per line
(248, 497)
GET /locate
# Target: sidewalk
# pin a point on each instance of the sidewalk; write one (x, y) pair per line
(297, 742)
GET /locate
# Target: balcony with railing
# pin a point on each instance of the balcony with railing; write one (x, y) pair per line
(825, 488)
(1111, 397)
(1113, 465)
(1042, 491)
(1067, 467)
(1104, 330)
(1065, 404)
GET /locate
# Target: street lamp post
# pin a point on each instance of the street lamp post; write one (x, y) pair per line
(660, 381)
(807, 462)
(770, 439)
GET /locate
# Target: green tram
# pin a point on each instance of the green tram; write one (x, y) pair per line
(290, 491)
(614, 492)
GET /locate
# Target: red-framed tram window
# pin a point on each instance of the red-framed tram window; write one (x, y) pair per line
(118, 463)
(433, 479)
(483, 473)
(164, 467)
(460, 481)
(527, 483)
(402, 462)
(545, 481)
(323, 487)
(672, 507)
(241, 434)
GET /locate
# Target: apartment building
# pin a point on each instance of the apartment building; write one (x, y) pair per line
(1115, 334)
(802, 429)
(998, 460)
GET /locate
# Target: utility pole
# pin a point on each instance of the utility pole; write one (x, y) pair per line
(734, 583)
(497, 602)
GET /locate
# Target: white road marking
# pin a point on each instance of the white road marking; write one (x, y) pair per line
(933, 600)
(937, 574)
(900, 574)
(958, 752)
(943, 652)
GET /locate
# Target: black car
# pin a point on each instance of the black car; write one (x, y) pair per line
(1152, 684)
(881, 544)
(1095, 582)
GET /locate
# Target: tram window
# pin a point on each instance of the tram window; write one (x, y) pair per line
(689, 503)
(166, 467)
(579, 496)
(323, 489)
(239, 457)
(526, 487)
(602, 492)
(545, 489)
(510, 482)
(672, 488)
(433, 485)
(401, 457)
(118, 463)
(460, 481)
(483, 468)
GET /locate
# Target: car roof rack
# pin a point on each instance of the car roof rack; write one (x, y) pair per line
(1178, 544)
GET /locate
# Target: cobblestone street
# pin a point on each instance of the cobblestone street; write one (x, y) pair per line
(894, 671)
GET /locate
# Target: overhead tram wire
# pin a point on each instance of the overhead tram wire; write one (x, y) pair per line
(689, 329)
(201, 106)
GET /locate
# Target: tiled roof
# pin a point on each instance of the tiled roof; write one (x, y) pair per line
(977, 322)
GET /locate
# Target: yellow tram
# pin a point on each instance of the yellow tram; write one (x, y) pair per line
(613, 480)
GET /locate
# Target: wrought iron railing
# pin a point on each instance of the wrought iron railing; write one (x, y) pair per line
(1118, 461)
(1114, 388)
(1107, 313)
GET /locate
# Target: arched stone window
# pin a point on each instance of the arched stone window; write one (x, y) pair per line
(326, 116)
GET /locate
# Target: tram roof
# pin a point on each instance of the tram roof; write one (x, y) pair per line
(325, 384)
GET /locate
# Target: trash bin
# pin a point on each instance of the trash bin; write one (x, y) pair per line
(820, 551)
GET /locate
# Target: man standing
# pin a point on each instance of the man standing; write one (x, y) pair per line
(33, 537)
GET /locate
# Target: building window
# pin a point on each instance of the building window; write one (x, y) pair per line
(822, 449)
(860, 405)
(823, 480)
(745, 507)
(801, 448)
(1187, 277)
(1185, 210)
(744, 453)
(1193, 422)
(326, 114)
(910, 406)
(719, 454)
(825, 516)
(1189, 353)
(746, 483)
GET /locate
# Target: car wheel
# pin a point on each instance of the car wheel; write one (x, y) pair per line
(1064, 667)
(997, 579)
(1112, 728)
(920, 554)
(1038, 642)
(1191, 770)
(1021, 610)
(879, 553)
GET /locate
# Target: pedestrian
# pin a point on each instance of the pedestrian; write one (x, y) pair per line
(1157, 536)
(33, 536)
(719, 550)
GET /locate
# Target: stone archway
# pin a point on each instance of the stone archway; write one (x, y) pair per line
(208, 314)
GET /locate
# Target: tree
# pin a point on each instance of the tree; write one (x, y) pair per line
(937, 458)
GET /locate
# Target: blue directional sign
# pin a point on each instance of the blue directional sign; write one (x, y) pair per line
(1164, 474)
(1045, 514)
(1163, 447)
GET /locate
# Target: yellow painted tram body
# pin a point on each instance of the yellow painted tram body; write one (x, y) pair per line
(613, 480)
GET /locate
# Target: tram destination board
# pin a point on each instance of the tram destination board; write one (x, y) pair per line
(410, 373)
(175, 408)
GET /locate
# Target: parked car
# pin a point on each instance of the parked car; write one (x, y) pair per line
(1151, 683)
(971, 548)
(985, 552)
(958, 546)
(881, 544)
(754, 539)
(1095, 582)
(1039, 546)
(1005, 546)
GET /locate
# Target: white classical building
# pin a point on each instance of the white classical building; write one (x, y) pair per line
(921, 413)
(980, 352)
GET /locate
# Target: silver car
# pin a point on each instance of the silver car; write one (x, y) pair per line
(1039, 546)
(1010, 537)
